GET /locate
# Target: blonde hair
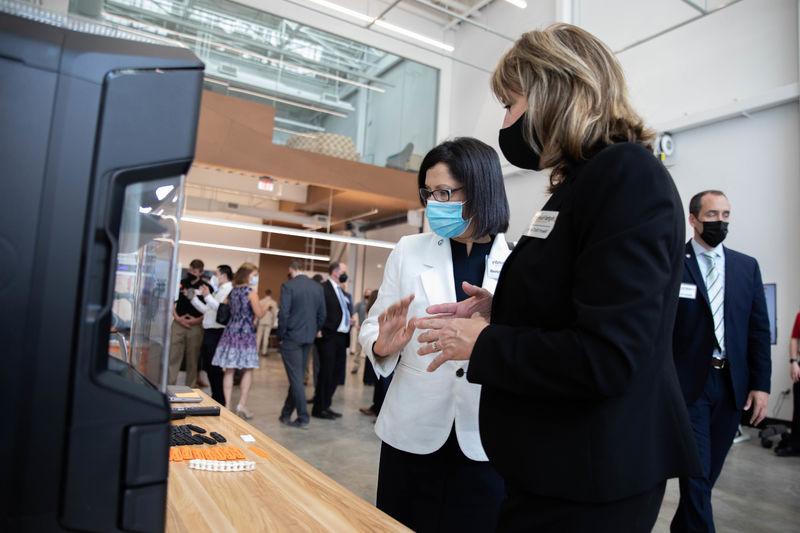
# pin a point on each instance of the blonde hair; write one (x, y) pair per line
(243, 273)
(577, 96)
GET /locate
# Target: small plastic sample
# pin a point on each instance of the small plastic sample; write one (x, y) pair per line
(222, 466)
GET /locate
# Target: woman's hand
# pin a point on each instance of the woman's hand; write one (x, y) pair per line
(794, 372)
(453, 337)
(479, 301)
(204, 290)
(395, 330)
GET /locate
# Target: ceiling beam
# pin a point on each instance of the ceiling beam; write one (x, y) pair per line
(472, 11)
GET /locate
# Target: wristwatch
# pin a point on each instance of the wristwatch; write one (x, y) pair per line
(794, 360)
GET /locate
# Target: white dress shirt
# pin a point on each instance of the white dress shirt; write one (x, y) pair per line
(421, 407)
(719, 263)
(209, 308)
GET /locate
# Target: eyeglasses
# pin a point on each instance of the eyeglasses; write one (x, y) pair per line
(440, 195)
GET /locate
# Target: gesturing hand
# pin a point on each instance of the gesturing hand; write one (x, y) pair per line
(395, 330)
(479, 301)
(453, 337)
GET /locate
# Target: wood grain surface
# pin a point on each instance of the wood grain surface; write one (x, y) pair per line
(284, 493)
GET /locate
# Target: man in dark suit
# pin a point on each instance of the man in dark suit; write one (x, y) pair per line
(301, 315)
(332, 345)
(721, 349)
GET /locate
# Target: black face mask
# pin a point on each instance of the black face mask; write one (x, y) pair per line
(516, 149)
(343, 278)
(714, 232)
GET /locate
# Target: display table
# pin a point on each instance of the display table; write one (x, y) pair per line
(284, 493)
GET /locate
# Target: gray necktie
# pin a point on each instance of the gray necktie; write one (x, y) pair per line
(716, 298)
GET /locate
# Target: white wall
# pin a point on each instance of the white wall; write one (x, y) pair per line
(756, 163)
(737, 53)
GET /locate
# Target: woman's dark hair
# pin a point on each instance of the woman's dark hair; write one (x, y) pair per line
(372, 298)
(476, 166)
(227, 270)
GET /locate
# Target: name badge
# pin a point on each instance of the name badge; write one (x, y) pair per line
(689, 291)
(542, 224)
(493, 268)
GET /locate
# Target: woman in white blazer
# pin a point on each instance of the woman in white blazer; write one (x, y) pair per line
(434, 474)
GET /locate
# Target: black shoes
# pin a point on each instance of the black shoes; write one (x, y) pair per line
(325, 415)
(334, 413)
(787, 448)
(296, 423)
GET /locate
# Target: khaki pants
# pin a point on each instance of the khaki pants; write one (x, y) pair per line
(184, 343)
(262, 338)
(357, 350)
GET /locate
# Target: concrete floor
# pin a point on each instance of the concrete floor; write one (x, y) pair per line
(757, 492)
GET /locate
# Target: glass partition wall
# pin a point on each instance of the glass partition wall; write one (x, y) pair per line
(331, 94)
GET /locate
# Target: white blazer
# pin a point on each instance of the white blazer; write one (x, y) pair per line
(421, 406)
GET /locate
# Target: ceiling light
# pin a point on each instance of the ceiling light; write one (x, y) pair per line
(280, 230)
(163, 192)
(345, 11)
(288, 102)
(388, 26)
(262, 251)
(292, 132)
(408, 33)
(522, 4)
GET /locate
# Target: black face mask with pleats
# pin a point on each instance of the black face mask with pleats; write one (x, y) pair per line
(714, 232)
(516, 149)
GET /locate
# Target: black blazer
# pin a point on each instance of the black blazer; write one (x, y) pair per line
(747, 338)
(302, 310)
(580, 398)
(333, 311)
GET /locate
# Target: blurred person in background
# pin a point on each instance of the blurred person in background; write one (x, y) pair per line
(302, 313)
(186, 336)
(267, 322)
(237, 348)
(212, 330)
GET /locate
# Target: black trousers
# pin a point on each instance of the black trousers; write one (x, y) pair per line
(715, 418)
(796, 413)
(439, 492)
(329, 348)
(379, 393)
(211, 338)
(524, 512)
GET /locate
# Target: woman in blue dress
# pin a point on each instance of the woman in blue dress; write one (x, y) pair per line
(237, 348)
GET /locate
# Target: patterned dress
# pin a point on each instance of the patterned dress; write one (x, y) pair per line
(237, 347)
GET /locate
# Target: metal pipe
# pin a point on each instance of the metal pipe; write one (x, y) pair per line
(465, 19)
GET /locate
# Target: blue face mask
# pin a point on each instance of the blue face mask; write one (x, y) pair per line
(446, 218)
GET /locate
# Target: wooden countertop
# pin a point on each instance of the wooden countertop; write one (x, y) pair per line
(284, 493)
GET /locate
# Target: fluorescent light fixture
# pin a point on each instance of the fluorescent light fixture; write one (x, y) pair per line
(408, 33)
(343, 10)
(299, 124)
(145, 210)
(163, 192)
(388, 26)
(287, 102)
(522, 4)
(262, 251)
(280, 230)
(292, 132)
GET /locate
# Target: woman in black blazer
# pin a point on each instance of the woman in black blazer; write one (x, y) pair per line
(581, 411)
